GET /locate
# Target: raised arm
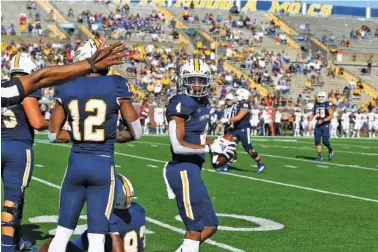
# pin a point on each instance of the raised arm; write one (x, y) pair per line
(56, 134)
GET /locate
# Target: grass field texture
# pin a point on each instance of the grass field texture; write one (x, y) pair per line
(297, 205)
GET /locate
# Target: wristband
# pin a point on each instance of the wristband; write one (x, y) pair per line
(92, 64)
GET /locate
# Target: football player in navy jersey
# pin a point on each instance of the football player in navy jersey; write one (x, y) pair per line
(242, 127)
(127, 225)
(323, 113)
(17, 135)
(188, 118)
(90, 176)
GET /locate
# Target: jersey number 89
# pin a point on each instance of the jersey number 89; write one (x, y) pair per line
(92, 105)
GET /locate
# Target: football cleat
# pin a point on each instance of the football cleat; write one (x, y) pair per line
(224, 168)
(319, 158)
(330, 155)
(260, 168)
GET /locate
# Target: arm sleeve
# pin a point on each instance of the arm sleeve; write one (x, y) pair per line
(12, 92)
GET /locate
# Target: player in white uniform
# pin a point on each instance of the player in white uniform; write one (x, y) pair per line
(297, 121)
(373, 121)
(159, 119)
(334, 124)
(306, 130)
(364, 125)
(345, 123)
(357, 123)
(255, 119)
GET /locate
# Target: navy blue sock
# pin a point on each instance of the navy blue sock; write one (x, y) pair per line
(6, 243)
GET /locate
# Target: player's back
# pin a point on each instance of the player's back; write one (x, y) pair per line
(358, 117)
(372, 117)
(91, 104)
(345, 117)
(196, 114)
(15, 125)
(130, 225)
(245, 121)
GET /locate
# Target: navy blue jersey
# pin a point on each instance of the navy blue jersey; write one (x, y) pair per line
(321, 110)
(91, 105)
(15, 125)
(244, 122)
(130, 225)
(196, 114)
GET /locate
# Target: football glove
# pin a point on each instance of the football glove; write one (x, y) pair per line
(222, 147)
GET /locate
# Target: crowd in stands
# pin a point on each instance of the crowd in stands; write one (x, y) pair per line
(123, 24)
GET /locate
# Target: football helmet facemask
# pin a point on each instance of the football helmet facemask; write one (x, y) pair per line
(195, 78)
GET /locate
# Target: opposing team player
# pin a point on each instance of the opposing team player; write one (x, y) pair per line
(323, 112)
(159, 119)
(242, 126)
(345, 122)
(90, 175)
(305, 124)
(17, 135)
(357, 124)
(255, 112)
(334, 124)
(188, 117)
(297, 122)
(14, 90)
(127, 225)
(373, 121)
(364, 122)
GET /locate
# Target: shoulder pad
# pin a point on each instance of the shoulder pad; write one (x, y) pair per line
(181, 105)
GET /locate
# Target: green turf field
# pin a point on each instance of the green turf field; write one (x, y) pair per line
(297, 205)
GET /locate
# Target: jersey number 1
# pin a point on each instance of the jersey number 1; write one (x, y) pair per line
(92, 105)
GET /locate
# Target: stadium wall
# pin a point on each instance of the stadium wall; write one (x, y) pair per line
(266, 6)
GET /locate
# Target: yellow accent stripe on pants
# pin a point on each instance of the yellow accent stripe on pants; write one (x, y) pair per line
(186, 194)
(27, 170)
(109, 206)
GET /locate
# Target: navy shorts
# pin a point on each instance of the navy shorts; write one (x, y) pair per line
(17, 162)
(193, 200)
(243, 136)
(91, 179)
(321, 131)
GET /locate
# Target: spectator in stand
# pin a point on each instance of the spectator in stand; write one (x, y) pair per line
(3, 30)
(70, 13)
(12, 30)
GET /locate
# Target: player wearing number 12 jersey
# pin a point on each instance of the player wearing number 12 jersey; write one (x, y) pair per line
(90, 175)
(323, 112)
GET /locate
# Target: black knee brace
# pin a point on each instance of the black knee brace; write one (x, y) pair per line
(254, 153)
(12, 211)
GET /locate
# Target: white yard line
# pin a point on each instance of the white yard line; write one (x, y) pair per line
(153, 166)
(290, 166)
(117, 166)
(159, 223)
(322, 166)
(39, 165)
(253, 178)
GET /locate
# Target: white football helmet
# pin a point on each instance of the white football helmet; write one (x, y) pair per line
(322, 97)
(124, 193)
(230, 96)
(195, 78)
(22, 63)
(87, 50)
(242, 94)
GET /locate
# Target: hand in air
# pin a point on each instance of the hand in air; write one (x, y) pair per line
(108, 56)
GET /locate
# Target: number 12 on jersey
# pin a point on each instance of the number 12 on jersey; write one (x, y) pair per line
(92, 105)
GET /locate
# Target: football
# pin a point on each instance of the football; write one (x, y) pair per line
(219, 160)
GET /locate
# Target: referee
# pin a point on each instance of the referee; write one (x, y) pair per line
(14, 90)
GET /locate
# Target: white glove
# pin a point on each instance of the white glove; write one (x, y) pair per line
(222, 148)
(224, 121)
